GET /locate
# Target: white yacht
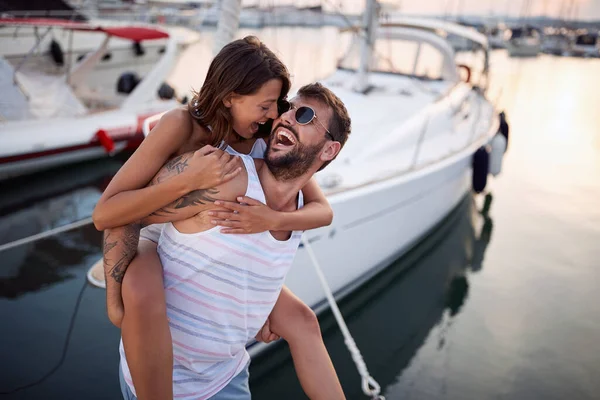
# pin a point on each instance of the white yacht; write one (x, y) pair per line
(586, 45)
(70, 96)
(418, 118)
(523, 42)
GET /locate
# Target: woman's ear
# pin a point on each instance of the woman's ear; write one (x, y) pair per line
(330, 151)
(227, 100)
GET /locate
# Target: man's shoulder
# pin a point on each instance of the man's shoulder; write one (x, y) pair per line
(259, 163)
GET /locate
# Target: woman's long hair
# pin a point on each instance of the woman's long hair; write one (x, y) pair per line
(241, 67)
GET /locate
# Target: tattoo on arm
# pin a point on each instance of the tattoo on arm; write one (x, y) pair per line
(125, 240)
(174, 166)
(197, 197)
(177, 164)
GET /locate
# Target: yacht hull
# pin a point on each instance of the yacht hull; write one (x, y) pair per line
(376, 224)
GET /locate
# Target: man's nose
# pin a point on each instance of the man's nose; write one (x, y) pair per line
(272, 113)
(288, 117)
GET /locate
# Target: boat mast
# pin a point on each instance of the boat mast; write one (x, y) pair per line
(229, 20)
(367, 35)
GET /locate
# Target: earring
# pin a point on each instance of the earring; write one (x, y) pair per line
(195, 105)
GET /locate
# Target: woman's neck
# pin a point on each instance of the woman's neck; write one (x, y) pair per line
(240, 144)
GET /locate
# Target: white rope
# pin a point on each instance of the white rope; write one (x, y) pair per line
(46, 234)
(370, 387)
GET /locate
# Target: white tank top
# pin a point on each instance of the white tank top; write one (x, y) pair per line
(152, 232)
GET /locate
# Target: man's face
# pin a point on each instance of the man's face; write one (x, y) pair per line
(293, 148)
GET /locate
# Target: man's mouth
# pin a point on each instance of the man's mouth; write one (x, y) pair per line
(284, 138)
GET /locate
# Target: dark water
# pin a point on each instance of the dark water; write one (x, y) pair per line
(503, 306)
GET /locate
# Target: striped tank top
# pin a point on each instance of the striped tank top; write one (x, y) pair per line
(219, 290)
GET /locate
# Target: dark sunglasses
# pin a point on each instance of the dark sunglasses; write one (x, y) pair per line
(304, 115)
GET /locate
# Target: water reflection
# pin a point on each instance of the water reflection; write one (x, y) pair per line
(55, 331)
(392, 316)
(39, 203)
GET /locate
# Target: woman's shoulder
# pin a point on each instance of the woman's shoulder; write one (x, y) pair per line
(180, 117)
(180, 122)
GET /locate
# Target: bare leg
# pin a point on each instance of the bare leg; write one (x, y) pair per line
(298, 325)
(120, 245)
(145, 328)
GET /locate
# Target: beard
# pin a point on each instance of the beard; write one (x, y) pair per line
(295, 162)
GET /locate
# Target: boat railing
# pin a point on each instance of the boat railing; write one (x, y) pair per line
(27, 57)
(67, 15)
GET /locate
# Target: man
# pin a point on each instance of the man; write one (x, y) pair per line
(219, 288)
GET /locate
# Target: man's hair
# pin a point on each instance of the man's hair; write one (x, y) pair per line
(339, 124)
(241, 67)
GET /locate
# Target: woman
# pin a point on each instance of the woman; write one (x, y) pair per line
(238, 98)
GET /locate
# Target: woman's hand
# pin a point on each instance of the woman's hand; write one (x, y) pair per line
(210, 167)
(265, 334)
(247, 216)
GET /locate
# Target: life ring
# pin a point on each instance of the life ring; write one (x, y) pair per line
(481, 164)
(468, 71)
(503, 129)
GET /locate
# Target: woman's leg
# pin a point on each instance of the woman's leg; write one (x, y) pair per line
(120, 246)
(145, 328)
(298, 325)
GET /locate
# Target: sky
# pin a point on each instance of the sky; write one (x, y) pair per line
(581, 9)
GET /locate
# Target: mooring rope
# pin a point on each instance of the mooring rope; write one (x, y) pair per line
(370, 387)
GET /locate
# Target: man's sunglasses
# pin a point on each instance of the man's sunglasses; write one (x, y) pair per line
(304, 115)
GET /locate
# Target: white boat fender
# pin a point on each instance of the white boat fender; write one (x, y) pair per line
(481, 165)
(497, 149)
(56, 53)
(504, 127)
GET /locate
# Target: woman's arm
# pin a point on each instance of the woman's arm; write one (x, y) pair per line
(316, 211)
(127, 200)
(257, 217)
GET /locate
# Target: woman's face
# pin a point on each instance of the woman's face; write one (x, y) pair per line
(250, 111)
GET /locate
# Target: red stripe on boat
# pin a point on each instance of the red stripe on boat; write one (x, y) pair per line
(61, 150)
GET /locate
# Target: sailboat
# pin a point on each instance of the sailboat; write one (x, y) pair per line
(524, 40)
(420, 140)
(424, 135)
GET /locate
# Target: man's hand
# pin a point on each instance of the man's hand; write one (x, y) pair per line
(265, 335)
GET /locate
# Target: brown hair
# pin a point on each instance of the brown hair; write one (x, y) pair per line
(241, 67)
(340, 123)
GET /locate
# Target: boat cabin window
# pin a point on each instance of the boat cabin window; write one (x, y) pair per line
(586, 40)
(402, 57)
